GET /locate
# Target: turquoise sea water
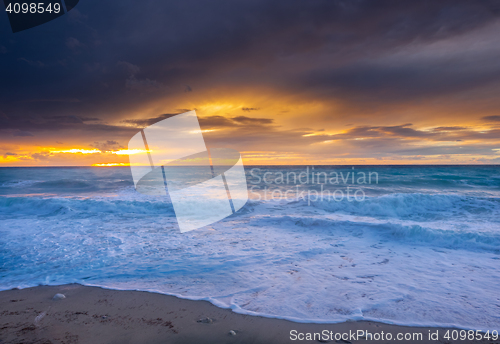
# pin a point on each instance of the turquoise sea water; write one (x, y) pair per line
(415, 245)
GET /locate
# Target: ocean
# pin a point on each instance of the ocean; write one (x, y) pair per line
(408, 245)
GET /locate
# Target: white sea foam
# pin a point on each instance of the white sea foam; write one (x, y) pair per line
(404, 258)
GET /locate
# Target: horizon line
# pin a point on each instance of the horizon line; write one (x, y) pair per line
(246, 165)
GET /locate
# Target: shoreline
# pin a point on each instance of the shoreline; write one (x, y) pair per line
(98, 315)
(236, 309)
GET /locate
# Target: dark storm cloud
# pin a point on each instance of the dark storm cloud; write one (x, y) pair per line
(22, 133)
(252, 121)
(32, 63)
(491, 118)
(493, 134)
(448, 128)
(72, 119)
(41, 156)
(403, 80)
(24, 126)
(436, 150)
(234, 122)
(142, 123)
(68, 100)
(207, 122)
(98, 57)
(216, 122)
(73, 43)
(405, 131)
(108, 145)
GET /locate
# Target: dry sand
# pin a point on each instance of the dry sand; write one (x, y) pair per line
(95, 315)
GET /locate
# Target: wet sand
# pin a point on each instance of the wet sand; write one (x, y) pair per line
(95, 315)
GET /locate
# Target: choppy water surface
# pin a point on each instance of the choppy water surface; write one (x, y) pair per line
(421, 248)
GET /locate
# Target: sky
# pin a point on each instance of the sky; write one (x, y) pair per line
(284, 82)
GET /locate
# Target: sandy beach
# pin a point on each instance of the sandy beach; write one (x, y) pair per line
(96, 315)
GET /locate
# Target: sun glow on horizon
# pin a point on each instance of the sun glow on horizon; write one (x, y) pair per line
(111, 164)
(78, 150)
(202, 131)
(129, 151)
